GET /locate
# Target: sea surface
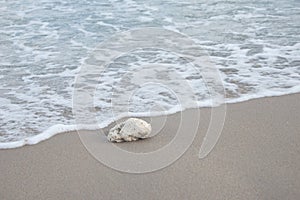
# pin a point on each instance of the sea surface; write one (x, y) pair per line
(254, 45)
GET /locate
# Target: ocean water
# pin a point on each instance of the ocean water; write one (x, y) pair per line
(255, 45)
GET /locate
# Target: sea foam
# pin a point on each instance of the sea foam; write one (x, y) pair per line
(254, 45)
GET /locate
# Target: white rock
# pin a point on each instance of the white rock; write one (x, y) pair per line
(130, 130)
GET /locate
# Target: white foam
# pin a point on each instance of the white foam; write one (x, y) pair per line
(59, 128)
(254, 45)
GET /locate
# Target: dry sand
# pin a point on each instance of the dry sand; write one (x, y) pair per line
(257, 157)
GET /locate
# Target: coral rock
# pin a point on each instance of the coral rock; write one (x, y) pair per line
(131, 130)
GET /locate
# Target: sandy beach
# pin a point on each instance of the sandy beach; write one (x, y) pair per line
(256, 157)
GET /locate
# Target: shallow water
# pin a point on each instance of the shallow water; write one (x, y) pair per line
(254, 44)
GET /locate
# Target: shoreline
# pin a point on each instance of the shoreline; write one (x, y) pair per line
(53, 130)
(256, 157)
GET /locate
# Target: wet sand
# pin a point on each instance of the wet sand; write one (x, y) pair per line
(256, 157)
